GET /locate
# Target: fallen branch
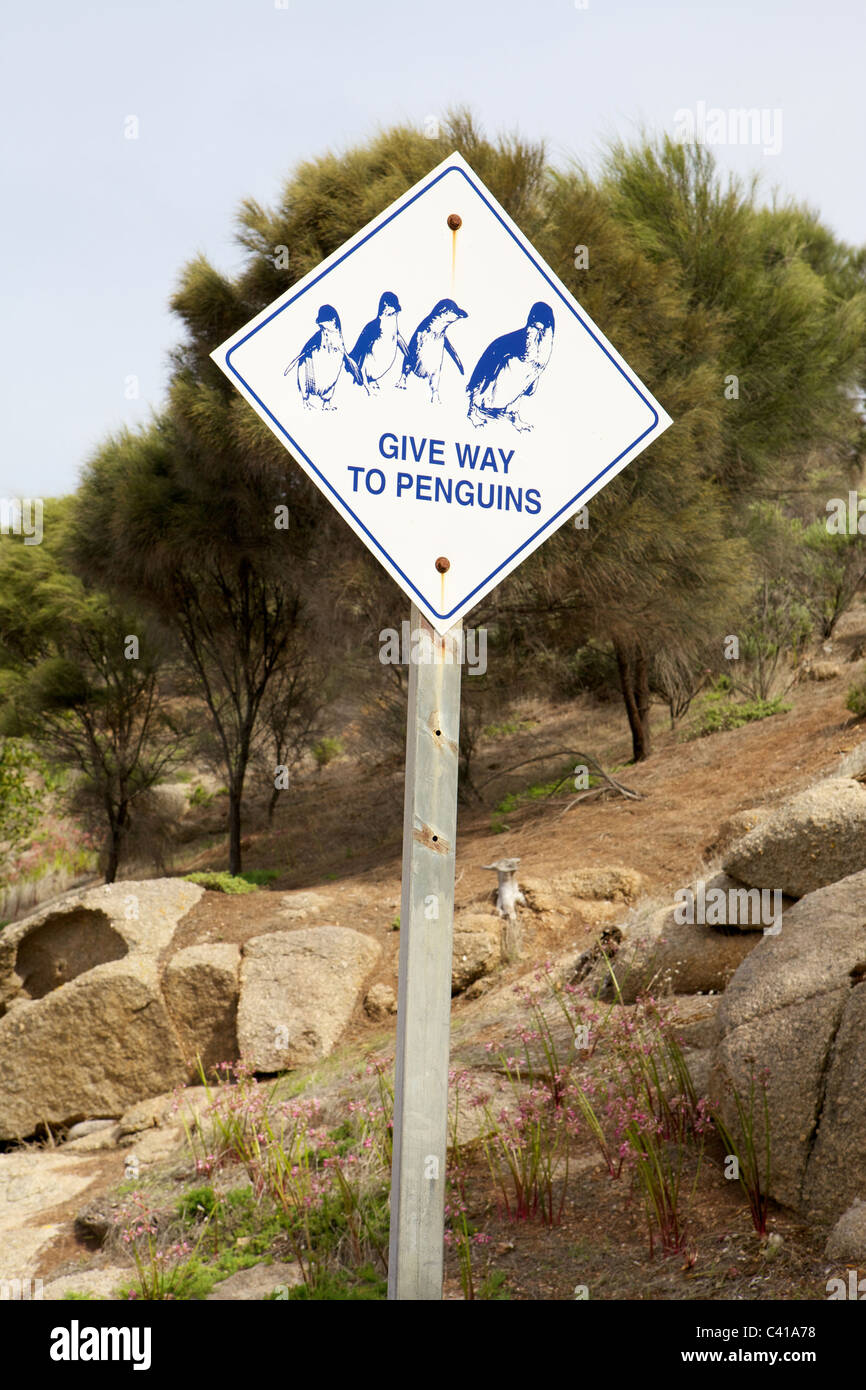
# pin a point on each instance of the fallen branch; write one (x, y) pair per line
(585, 759)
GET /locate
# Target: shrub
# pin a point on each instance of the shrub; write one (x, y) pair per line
(223, 882)
(718, 712)
(199, 797)
(856, 701)
(326, 750)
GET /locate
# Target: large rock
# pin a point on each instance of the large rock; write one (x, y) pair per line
(380, 1003)
(734, 827)
(659, 955)
(258, 1282)
(811, 840)
(298, 991)
(477, 949)
(611, 882)
(200, 987)
(797, 1006)
(728, 905)
(85, 1030)
(847, 1240)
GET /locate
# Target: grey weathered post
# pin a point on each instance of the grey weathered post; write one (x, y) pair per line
(424, 1003)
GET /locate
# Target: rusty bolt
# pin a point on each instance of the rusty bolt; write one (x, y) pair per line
(443, 565)
(455, 221)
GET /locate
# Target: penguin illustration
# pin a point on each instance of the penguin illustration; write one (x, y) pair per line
(321, 360)
(509, 369)
(378, 342)
(429, 344)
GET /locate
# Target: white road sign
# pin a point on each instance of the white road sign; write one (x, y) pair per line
(445, 390)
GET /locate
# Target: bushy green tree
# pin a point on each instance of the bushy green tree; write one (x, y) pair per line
(20, 797)
(79, 677)
(176, 516)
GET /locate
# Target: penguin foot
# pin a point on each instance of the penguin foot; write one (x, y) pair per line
(518, 423)
(477, 416)
(401, 384)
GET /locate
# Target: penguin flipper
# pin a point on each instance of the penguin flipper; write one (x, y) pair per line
(365, 341)
(449, 349)
(352, 367)
(305, 351)
(402, 345)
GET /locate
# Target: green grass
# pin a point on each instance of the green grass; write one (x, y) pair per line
(199, 797)
(223, 882)
(361, 1285)
(494, 1288)
(259, 877)
(512, 801)
(514, 727)
(718, 712)
(199, 1199)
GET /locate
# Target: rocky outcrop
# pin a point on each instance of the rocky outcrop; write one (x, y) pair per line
(200, 988)
(297, 993)
(682, 958)
(847, 1240)
(477, 949)
(797, 1008)
(815, 838)
(380, 1003)
(85, 1030)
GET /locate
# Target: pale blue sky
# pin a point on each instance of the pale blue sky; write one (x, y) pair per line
(230, 94)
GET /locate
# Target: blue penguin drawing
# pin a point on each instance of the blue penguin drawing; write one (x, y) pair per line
(379, 342)
(429, 344)
(321, 360)
(509, 370)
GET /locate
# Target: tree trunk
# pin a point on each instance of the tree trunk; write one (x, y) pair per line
(113, 857)
(634, 679)
(117, 829)
(643, 697)
(235, 794)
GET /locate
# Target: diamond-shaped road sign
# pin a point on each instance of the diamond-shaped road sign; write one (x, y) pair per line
(445, 390)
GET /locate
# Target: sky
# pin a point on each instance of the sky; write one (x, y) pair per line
(225, 97)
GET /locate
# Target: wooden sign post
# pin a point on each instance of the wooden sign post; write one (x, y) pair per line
(424, 1001)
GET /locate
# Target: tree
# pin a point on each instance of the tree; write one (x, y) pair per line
(20, 796)
(789, 302)
(80, 678)
(834, 566)
(659, 560)
(748, 324)
(776, 621)
(173, 515)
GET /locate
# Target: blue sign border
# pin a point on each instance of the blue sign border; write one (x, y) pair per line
(451, 169)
